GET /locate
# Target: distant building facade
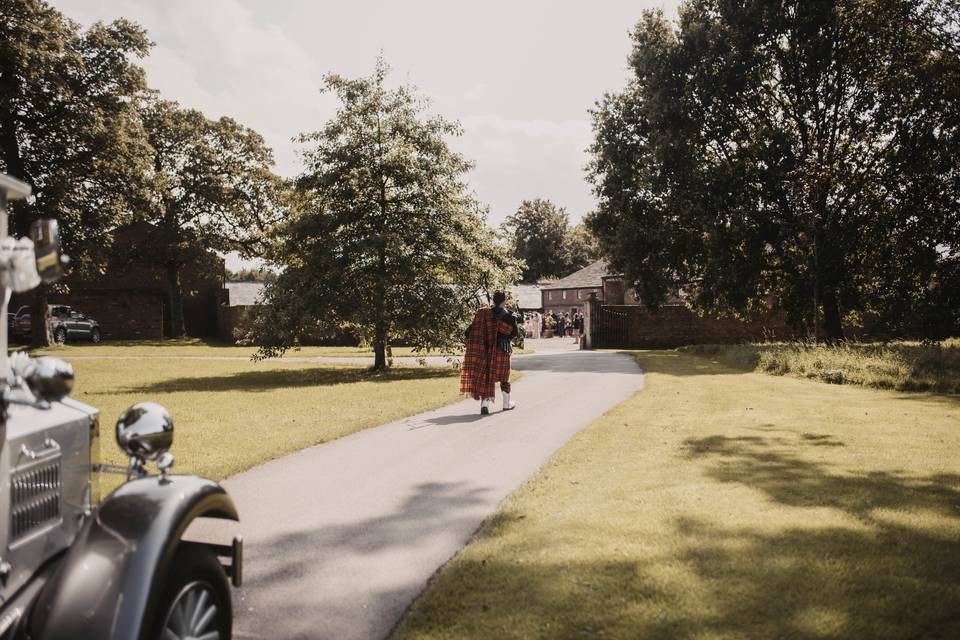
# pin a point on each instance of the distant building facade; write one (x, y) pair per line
(570, 294)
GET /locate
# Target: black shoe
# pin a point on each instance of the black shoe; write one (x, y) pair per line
(484, 410)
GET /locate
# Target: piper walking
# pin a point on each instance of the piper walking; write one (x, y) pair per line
(487, 360)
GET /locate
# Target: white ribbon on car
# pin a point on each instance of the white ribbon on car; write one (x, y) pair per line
(19, 257)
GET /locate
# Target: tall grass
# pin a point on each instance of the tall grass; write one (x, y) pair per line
(904, 366)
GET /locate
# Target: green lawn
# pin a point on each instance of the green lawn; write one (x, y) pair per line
(232, 415)
(203, 348)
(718, 503)
(905, 366)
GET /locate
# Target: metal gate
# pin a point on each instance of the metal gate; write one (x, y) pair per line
(609, 328)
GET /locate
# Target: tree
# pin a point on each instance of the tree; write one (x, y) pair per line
(800, 151)
(539, 234)
(69, 128)
(580, 247)
(210, 187)
(252, 274)
(385, 238)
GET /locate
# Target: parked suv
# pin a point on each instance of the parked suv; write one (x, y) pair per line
(67, 324)
(74, 565)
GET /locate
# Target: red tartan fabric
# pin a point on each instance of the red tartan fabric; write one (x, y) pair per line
(484, 364)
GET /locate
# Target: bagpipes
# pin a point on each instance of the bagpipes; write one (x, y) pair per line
(517, 339)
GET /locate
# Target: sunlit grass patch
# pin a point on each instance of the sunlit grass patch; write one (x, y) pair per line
(197, 347)
(718, 503)
(904, 366)
(232, 415)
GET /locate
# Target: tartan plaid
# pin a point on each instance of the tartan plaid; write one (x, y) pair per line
(484, 364)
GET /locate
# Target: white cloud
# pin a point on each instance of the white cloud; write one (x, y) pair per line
(519, 76)
(217, 56)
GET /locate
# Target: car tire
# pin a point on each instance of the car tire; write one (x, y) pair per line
(60, 336)
(195, 601)
(95, 336)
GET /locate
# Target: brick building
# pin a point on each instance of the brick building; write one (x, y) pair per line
(130, 298)
(570, 294)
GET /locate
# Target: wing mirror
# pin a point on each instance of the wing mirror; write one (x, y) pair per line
(51, 379)
(145, 431)
(46, 244)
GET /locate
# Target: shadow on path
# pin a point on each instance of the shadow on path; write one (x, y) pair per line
(318, 558)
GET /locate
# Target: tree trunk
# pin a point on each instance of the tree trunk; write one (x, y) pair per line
(832, 324)
(40, 334)
(175, 324)
(380, 346)
(380, 337)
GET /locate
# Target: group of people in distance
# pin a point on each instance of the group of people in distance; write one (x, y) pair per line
(563, 324)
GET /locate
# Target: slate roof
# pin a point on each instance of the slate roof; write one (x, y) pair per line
(244, 294)
(590, 277)
(527, 296)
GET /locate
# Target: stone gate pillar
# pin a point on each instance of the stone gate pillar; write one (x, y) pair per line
(590, 314)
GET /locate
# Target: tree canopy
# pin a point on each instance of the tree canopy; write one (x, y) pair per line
(385, 236)
(804, 152)
(69, 126)
(210, 186)
(540, 234)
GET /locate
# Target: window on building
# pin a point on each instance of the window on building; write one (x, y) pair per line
(564, 295)
(578, 294)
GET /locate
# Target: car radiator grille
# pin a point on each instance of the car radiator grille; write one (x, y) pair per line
(35, 498)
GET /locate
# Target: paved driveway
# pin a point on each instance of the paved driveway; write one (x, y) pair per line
(341, 537)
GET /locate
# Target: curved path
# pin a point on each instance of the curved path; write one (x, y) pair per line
(340, 538)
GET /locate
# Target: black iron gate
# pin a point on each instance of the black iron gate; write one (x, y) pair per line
(609, 328)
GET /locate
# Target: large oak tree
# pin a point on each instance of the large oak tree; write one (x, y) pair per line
(210, 186)
(804, 151)
(69, 128)
(387, 238)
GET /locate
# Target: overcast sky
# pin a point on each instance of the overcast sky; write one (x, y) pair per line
(520, 75)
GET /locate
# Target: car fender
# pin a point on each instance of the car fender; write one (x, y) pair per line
(107, 586)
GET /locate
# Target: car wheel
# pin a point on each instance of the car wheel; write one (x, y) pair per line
(196, 598)
(60, 336)
(95, 336)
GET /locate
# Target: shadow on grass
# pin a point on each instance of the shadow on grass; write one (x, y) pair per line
(792, 480)
(888, 574)
(269, 380)
(894, 577)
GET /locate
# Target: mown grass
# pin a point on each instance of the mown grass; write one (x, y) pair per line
(904, 366)
(232, 415)
(716, 504)
(197, 347)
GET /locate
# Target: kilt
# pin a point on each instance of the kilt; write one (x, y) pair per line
(484, 364)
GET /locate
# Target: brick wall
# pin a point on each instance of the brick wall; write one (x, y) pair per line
(123, 315)
(233, 322)
(675, 326)
(613, 290)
